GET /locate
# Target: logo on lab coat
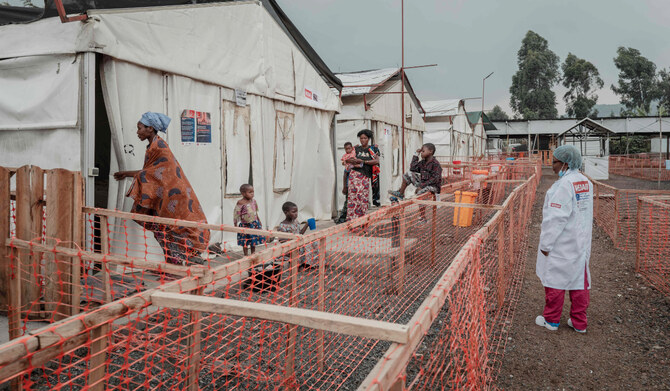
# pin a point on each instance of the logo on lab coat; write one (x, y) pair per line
(554, 205)
(581, 187)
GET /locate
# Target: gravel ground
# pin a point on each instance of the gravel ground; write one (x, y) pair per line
(627, 346)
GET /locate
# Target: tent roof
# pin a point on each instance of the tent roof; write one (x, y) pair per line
(364, 82)
(473, 117)
(24, 14)
(593, 129)
(440, 108)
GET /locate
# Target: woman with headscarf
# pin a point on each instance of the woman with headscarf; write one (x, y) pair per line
(161, 189)
(359, 178)
(565, 242)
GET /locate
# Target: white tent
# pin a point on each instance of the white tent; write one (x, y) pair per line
(449, 129)
(372, 101)
(196, 63)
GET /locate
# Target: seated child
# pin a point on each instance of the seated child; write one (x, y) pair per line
(309, 254)
(425, 174)
(246, 215)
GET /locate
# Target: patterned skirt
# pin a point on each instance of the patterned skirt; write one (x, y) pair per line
(358, 196)
(246, 240)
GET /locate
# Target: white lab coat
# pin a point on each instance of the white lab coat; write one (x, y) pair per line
(567, 223)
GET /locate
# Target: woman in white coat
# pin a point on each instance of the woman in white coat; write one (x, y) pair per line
(565, 242)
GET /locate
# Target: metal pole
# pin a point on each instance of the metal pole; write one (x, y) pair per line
(402, 78)
(482, 114)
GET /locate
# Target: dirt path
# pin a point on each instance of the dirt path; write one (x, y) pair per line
(627, 346)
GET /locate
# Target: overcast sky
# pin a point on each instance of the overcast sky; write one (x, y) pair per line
(471, 38)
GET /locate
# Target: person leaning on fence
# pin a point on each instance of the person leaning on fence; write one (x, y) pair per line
(424, 174)
(565, 242)
(161, 189)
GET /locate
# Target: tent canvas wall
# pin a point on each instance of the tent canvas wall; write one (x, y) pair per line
(449, 128)
(381, 94)
(174, 60)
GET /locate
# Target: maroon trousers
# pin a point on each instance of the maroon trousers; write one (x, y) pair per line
(579, 300)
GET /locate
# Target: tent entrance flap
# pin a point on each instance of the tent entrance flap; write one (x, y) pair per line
(237, 141)
(283, 156)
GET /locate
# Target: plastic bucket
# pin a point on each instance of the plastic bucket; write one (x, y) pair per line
(479, 175)
(463, 216)
(457, 170)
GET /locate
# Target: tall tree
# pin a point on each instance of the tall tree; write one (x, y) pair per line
(580, 77)
(664, 88)
(497, 114)
(637, 80)
(532, 97)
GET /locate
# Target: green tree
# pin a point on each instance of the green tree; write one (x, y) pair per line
(580, 77)
(497, 114)
(637, 85)
(663, 88)
(532, 97)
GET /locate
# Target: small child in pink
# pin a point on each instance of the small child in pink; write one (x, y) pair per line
(350, 153)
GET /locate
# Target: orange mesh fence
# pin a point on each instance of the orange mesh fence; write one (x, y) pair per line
(653, 242)
(643, 166)
(615, 210)
(317, 311)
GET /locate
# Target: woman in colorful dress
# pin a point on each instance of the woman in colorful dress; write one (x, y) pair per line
(161, 189)
(359, 177)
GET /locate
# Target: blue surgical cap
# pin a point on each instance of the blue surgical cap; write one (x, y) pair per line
(157, 121)
(570, 155)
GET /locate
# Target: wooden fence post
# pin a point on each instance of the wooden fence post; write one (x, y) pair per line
(78, 232)
(402, 228)
(433, 233)
(99, 335)
(501, 260)
(638, 261)
(29, 227)
(616, 218)
(321, 301)
(194, 349)
(58, 294)
(5, 215)
(289, 367)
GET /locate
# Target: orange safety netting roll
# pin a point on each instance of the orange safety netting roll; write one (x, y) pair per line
(331, 309)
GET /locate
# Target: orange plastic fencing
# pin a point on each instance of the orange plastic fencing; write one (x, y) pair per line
(643, 166)
(653, 242)
(615, 210)
(401, 279)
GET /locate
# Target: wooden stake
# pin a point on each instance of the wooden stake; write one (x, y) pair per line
(98, 363)
(5, 215)
(638, 261)
(501, 261)
(321, 301)
(78, 232)
(58, 292)
(104, 248)
(289, 367)
(36, 215)
(27, 271)
(402, 228)
(194, 349)
(433, 233)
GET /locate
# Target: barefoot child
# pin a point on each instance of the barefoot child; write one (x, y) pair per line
(309, 253)
(246, 215)
(425, 174)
